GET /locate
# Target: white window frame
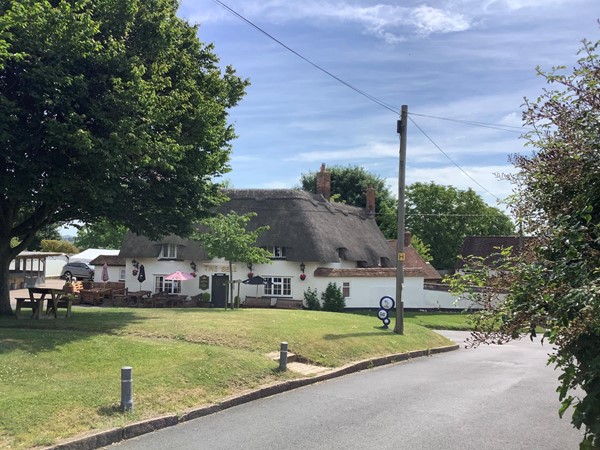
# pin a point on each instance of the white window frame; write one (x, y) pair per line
(346, 287)
(170, 286)
(122, 273)
(278, 287)
(168, 251)
(276, 252)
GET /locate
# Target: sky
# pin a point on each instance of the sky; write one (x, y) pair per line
(466, 60)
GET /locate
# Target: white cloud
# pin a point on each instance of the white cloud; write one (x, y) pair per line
(432, 20)
(386, 21)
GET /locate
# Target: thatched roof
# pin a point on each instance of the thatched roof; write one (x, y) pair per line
(309, 227)
(110, 260)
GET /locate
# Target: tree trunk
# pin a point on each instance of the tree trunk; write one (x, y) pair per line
(5, 259)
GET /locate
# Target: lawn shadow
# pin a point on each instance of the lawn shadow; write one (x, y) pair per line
(33, 336)
(380, 331)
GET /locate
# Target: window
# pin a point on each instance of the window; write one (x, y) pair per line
(168, 251)
(170, 286)
(346, 289)
(279, 286)
(122, 274)
(276, 252)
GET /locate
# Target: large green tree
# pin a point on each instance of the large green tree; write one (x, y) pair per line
(349, 185)
(556, 281)
(108, 108)
(227, 236)
(101, 234)
(442, 216)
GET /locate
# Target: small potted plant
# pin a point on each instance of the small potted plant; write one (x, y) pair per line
(205, 300)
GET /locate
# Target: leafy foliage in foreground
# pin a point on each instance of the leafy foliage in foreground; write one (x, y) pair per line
(555, 281)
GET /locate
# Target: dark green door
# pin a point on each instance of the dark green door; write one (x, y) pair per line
(219, 290)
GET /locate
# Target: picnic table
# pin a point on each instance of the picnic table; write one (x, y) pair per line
(134, 298)
(55, 298)
(95, 296)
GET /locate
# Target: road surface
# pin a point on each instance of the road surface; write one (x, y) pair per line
(493, 397)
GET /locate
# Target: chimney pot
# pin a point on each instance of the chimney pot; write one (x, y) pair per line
(407, 238)
(324, 183)
(371, 200)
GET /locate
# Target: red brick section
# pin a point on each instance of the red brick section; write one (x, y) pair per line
(324, 183)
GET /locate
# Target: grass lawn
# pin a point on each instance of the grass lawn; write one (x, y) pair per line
(61, 378)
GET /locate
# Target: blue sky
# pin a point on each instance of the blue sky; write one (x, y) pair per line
(468, 60)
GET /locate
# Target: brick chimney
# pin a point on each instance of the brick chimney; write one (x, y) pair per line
(371, 200)
(407, 238)
(324, 183)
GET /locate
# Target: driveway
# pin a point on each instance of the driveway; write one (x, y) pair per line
(493, 397)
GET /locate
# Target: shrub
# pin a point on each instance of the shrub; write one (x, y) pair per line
(333, 299)
(206, 296)
(312, 300)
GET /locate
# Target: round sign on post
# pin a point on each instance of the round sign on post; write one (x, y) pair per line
(387, 303)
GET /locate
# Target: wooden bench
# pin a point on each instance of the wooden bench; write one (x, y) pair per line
(260, 302)
(289, 303)
(29, 304)
(64, 301)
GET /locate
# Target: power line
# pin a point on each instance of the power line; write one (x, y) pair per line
(450, 159)
(369, 96)
(374, 99)
(477, 124)
(316, 66)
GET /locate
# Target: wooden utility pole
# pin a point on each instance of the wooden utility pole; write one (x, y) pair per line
(401, 129)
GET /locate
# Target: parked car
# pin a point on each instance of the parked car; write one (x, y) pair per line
(79, 270)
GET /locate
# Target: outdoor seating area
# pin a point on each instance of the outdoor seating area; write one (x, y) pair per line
(271, 302)
(54, 299)
(97, 293)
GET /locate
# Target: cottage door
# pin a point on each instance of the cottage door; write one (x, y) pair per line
(219, 290)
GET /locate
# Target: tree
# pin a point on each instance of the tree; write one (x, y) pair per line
(51, 245)
(442, 216)
(555, 283)
(226, 236)
(333, 299)
(349, 185)
(45, 233)
(423, 249)
(107, 110)
(101, 234)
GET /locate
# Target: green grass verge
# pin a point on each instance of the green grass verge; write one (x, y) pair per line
(61, 378)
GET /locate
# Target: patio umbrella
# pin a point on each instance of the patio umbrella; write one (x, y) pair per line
(257, 280)
(141, 275)
(179, 276)
(105, 272)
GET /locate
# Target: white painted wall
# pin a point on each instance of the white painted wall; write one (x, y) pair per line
(114, 273)
(365, 292)
(54, 265)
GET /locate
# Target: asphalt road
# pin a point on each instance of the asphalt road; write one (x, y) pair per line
(493, 397)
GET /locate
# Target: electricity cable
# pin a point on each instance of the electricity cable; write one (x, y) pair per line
(368, 96)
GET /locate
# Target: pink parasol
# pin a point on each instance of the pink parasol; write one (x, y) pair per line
(179, 276)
